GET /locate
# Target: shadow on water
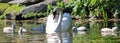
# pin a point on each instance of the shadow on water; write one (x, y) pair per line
(36, 33)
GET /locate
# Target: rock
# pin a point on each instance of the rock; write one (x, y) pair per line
(10, 17)
(4, 1)
(40, 7)
(16, 1)
(34, 8)
(66, 1)
(25, 2)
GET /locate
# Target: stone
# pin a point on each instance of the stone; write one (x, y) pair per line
(4, 1)
(40, 7)
(10, 17)
(66, 1)
(25, 2)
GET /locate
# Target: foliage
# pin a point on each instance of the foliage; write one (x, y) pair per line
(91, 8)
(29, 14)
(35, 15)
(103, 9)
(3, 7)
(15, 9)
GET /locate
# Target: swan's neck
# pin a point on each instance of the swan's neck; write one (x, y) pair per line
(56, 18)
(13, 26)
(59, 20)
(20, 31)
(114, 28)
(59, 26)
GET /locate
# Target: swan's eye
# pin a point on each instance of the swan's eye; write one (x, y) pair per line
(54, 14)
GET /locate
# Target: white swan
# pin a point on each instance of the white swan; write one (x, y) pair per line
(109, 31)
(74, 29)
(58, 21)
(22, 30)
(9, 29)
(80, 30)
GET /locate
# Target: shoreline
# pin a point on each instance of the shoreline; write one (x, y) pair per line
(44, 20)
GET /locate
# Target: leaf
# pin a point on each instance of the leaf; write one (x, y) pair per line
(71, 1)
(49, 6)
(75, 9)
(14, 9)
(93, 2)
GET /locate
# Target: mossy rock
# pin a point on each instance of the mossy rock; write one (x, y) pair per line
(14, 9)
(3, 7)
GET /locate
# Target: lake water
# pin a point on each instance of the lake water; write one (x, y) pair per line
(35, 35)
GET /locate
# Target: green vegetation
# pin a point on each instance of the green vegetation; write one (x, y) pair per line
(103, 9)
(94, 34)
(3, 7)
(32, 14)
(97, 39)
(15, 9)
(35, 15)
(9, 9)
(100, 9)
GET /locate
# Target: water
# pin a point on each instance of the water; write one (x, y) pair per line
(33, 35)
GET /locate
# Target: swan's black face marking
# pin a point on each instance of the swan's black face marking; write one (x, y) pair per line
(54, 14)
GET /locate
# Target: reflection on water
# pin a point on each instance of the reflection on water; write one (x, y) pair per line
(35, 33)
(21, 35)
(63, 37)
(39, 29)
(36, 38)
(109, 31)
(10, 35)
(79, 31)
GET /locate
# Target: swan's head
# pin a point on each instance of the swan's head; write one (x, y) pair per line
(57, 11)
(21, 27)
(74, 29)
(13, 25)
(114, 28)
